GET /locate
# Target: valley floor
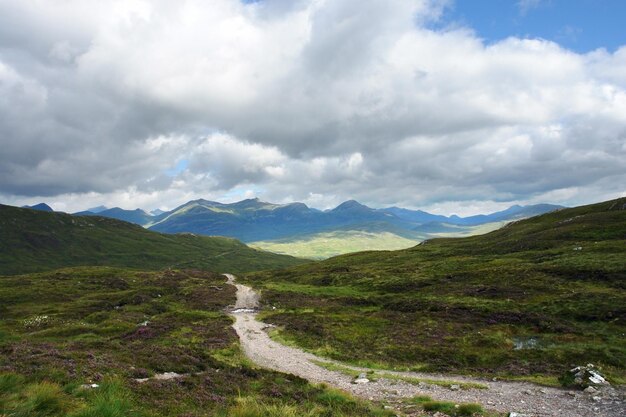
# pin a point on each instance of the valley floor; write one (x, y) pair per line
(395, 388)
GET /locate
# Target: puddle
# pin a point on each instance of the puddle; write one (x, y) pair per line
(528, 342)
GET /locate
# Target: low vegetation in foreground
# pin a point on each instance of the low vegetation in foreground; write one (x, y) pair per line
(526, 301)
(74, 342)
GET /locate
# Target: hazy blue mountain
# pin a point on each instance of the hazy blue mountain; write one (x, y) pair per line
(255, 220)
(157, 212)
(98, 209)
(137, 216)
(512, 213)
(248, 220)
(40, 207)
(416, 216)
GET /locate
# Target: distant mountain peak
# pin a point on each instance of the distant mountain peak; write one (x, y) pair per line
(97, 209)
(351, 205)
(40, 207)
(251, 203)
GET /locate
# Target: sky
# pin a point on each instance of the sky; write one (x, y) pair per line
(465, 106)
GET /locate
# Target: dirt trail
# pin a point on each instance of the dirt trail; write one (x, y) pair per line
(526, 399)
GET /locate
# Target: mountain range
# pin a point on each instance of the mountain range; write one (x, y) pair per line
(253, 220)
(299, 230)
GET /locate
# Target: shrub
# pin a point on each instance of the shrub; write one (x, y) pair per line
(469, 410)
(443, 406)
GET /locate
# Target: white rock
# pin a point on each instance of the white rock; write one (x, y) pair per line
(596, 378)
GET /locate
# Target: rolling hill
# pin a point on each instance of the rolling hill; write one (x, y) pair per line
(32, 240)
(527, 300)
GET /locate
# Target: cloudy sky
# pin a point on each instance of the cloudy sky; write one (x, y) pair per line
(449, 106)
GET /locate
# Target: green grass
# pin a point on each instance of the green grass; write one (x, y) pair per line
(327, 244)
(466, 305)
(453, 409)
(74, 326)
(33, 241)
(449, 408)
(327, 403)
(373, 375)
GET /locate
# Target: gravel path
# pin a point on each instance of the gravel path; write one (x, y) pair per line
(523, 398)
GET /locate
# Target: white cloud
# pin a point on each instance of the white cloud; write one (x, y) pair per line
(317, 101)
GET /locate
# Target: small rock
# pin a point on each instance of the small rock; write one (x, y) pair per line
(527, 392)
(455, 387)
(571, 393)
(590, 390)
(361, 379)
(596, 398)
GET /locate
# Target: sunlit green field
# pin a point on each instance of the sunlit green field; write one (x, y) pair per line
(329, 244)
(325, 245)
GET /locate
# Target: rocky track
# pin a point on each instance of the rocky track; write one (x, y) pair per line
(524, 399)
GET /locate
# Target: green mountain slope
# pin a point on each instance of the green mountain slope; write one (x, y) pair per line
(529, 299)
(33, 240)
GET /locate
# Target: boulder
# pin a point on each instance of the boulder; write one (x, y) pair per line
(584, 376)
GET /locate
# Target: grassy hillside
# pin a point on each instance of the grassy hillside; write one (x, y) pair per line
(530, 299)
(64, 330)
(33, 241)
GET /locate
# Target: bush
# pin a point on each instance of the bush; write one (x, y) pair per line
(443, 406)
(469, 410)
